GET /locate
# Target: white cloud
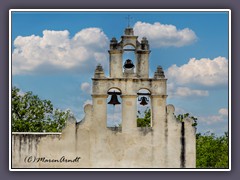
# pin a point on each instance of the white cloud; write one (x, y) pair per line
(212, 119)
(55, 51)
(86, 87)
(223, 111)
(185, 91)
(164, 35)
(204, 72)
(179, 91)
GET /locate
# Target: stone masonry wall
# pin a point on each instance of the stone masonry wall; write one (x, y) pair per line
(90, 145)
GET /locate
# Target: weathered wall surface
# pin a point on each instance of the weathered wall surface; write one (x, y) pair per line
(91, 144)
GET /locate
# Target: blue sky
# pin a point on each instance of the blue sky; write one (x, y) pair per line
(54, 54)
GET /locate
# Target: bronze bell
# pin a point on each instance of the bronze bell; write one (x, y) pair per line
(128, 64)
(114, 99)
(143, 100)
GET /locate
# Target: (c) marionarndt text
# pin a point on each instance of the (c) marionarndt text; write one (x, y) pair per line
(63, 159)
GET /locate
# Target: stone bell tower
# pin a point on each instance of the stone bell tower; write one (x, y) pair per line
(129, 78)
(168, 143)
(141, 50)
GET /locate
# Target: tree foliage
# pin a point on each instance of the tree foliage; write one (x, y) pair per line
(146, 120)
(212, 151)
(31, 114)
(181, 117)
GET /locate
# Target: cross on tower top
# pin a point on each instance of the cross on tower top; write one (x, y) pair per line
(129, 19)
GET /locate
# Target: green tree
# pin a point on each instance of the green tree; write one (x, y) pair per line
(181, 117)
(146, 120)
(31, 114)
(212, 151)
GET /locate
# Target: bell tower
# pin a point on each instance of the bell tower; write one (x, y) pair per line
(141, 50)
(168, 143)
(129, 76)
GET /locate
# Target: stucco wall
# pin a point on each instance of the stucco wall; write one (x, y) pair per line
(91, 145)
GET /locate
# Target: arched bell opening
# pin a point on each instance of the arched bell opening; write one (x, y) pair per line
(129, 60)
(144, 115)
(114, 108)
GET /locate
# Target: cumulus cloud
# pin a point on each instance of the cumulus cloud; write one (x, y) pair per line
(55, 51)
(164, 35)
(204, 72)
(185, 91)
(223, 111)
(179, 91)
(212, 119)
(86, 87)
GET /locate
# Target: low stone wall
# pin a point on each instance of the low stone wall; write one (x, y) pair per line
(86, 145)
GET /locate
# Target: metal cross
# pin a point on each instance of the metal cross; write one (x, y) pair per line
(129, 18)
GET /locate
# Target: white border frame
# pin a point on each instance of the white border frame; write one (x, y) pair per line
(118, 10)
